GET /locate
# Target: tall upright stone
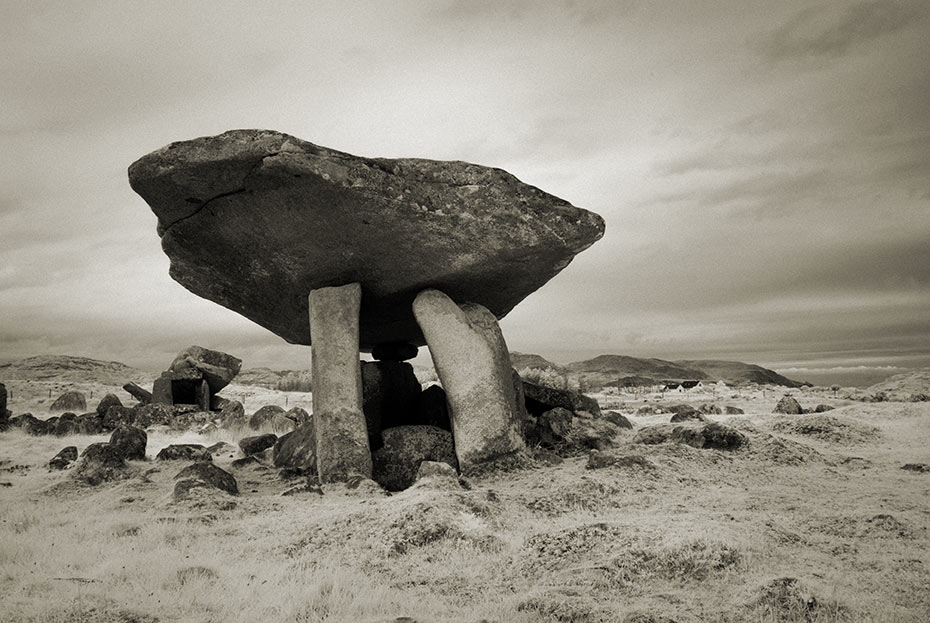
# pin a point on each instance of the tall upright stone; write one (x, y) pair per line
(471, 360)
(339, 422)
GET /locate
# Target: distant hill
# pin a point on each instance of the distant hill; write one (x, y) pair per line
(735, 372)
(524, 360)
(73, 370)
(609, 369)
(612, 367)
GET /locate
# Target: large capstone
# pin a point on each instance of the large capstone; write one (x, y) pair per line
(255, 220)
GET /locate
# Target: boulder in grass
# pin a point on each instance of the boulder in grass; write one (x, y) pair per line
(69, 401)
(64, 458)
(689, 415)
(130, 442)
(232, 415)
(110, 400)
(266, 417)
(395, 464)
(297, 449)
(184, 452)
(101, 462)
(731, 410)
(540, 399)
(789, 406)
(209, 475)
(257, 443)
(617, 419)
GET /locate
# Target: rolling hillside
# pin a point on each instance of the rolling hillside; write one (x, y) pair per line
(608, 369)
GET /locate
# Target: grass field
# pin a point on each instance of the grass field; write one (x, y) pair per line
(814, 521)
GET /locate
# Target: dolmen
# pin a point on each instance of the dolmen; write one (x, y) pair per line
(351, 254)
(195, 376)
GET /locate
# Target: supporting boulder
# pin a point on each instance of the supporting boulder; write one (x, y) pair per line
(341, 433)
(473, 365)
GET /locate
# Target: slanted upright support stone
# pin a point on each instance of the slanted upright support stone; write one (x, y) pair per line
(341, 434)
(473, 364)
(203, 395)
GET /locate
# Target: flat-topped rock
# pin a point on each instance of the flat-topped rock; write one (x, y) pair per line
(254, 220)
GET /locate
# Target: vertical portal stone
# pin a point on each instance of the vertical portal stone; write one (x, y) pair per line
(162, 392)
(473, 364)
(341, 434)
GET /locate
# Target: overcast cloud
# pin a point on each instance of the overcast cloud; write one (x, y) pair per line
(763, 168)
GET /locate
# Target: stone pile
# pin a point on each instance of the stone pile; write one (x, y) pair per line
(348, 253)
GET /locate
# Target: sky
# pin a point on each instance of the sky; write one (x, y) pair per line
(763, 168)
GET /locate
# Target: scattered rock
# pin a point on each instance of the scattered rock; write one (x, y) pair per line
(436, 470)
(69, 401)
(266, 417)
(591, 433)
(116, 416)
(617, 419)
(210, 475)
(553, 427)
(823, 408)
(788, 405)
(110, 400)
(221, 447)
(100, 462)
(258, 443)
(395, 465)
(709, 436)
(65, 425)
(232, 415)
(184, 452)
(731, 410)
(64, 458)
(298, 416)
(130, 442)
(687, 416)
(922, 468)
(720, 437)
(709, 408)
(297, 449)
(651, 410)
(540, 399)
(89, 424)
(31, 425)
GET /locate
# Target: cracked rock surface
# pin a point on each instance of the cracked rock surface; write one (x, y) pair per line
(255, 219)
